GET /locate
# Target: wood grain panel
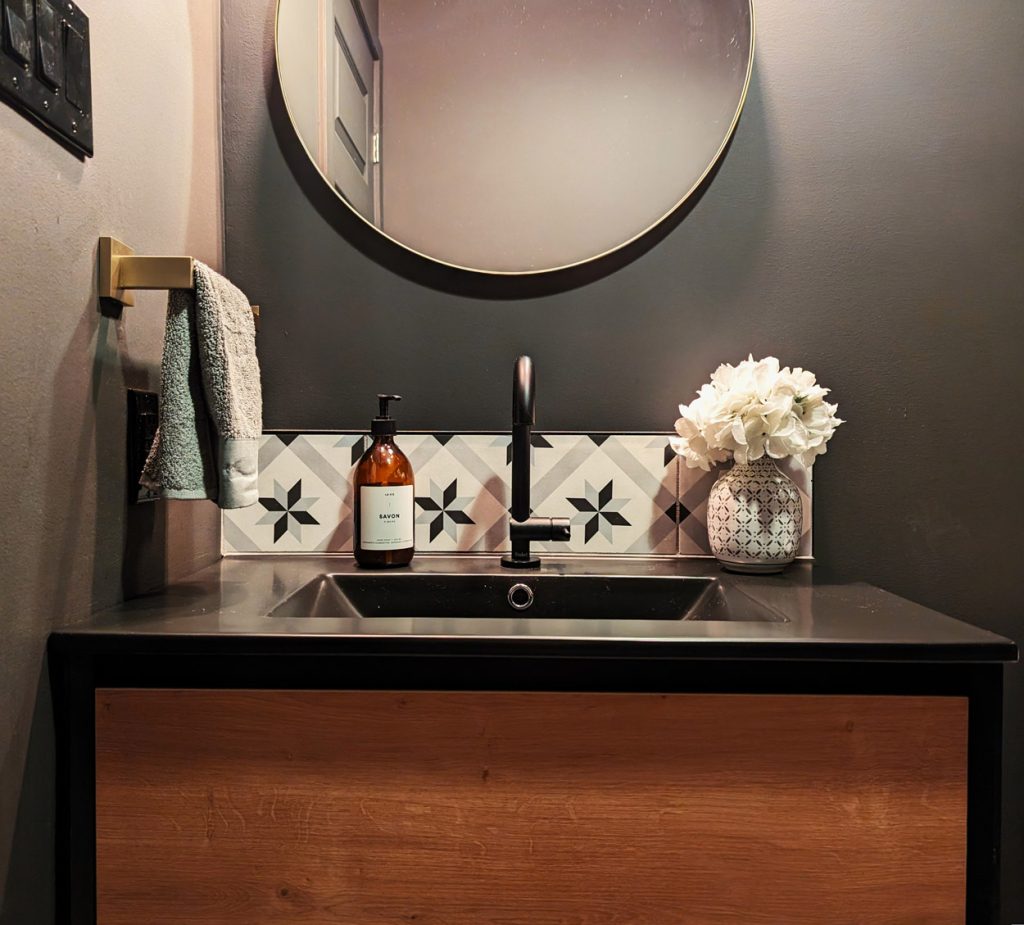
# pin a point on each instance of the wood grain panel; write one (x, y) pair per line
(382, 808)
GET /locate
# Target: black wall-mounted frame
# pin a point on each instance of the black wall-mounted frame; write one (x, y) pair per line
(143, 419)
(45, 69)
(79, 666)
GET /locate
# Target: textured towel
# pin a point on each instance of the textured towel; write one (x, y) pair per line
(211, 414)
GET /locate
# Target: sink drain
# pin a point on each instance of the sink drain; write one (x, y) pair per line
(520, 596)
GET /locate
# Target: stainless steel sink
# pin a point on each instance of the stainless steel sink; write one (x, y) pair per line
(410, 595)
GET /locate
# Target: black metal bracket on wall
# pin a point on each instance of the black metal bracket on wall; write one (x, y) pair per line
(45, 69)
(79, 667)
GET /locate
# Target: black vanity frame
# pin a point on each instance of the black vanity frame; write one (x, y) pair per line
(81, 663)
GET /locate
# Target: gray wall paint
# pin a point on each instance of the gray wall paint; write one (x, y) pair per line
(69, 543)
(868, 223)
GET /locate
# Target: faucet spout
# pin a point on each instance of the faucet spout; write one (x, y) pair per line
(523, 392)
(523, 410)
(523, 527)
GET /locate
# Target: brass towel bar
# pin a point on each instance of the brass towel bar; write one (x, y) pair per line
(121, 271)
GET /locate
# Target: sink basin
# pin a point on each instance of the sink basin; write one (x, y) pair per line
(410, 595)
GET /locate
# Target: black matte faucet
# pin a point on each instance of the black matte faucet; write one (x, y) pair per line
(523, 528)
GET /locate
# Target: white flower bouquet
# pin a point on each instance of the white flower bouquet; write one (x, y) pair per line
(753, 410)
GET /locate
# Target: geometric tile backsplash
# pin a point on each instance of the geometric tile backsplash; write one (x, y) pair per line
(625, 494)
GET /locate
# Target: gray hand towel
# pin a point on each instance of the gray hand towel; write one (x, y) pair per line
(211, 410)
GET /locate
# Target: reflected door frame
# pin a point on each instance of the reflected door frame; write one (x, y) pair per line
(348, 45)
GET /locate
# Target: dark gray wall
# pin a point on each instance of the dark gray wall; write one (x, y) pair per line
(68, 541)
(867, 222)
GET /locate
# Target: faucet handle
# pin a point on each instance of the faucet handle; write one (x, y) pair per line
(522, 532)
(542, 529)
(560, 531)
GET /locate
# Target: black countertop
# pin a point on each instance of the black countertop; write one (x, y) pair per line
(223, 609)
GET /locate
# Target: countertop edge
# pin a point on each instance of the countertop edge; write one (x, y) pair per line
(70, 641)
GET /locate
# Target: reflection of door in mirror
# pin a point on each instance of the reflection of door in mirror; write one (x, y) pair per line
(350, 105)
(333, 57)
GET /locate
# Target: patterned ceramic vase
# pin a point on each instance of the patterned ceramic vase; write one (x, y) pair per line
(755, 518)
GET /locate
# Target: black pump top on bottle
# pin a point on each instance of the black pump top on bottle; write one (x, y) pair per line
(384, 425)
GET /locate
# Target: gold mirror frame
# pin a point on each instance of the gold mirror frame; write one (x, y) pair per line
(545, 270)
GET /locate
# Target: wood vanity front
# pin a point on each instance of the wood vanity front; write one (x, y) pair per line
(382, 807)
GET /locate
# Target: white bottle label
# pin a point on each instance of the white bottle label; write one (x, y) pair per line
(386, 516)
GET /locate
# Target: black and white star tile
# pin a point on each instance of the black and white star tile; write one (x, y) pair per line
(598, 512)
(691, 513)
(318, 521)
(288, 511)
(461, 492)
(618, 490)
(441, 510)
(625, 494)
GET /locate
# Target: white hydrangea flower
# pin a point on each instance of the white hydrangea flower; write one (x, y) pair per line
(754, 409)
(691, 443)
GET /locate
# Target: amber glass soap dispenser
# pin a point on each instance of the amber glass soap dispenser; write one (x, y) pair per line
(383, 498)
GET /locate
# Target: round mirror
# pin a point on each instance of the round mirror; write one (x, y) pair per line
(514, 136)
